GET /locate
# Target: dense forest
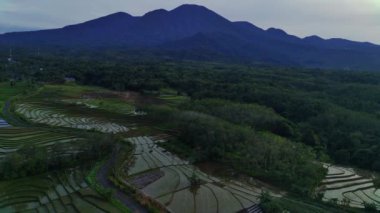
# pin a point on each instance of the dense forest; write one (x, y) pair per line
(238, 111)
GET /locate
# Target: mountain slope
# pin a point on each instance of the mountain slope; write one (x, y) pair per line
(199, 32)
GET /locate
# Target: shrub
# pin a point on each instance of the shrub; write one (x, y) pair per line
(346, 202)
(376, 183)
(195, 183)
(268, 204)
(108, 194)
(370, 207)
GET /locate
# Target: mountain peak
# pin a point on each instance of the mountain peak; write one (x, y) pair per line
(185, 8)
(183, 21)
(193, 9)
(114, 20)
(190, 7)
(276, 31)
(156, 13)
(313, 38)
(119, 14)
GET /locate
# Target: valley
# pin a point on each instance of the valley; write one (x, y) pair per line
(55, 135)
(60, 172)
(184, 110)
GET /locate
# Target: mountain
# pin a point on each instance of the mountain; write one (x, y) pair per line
(195, 32)
(4, 28)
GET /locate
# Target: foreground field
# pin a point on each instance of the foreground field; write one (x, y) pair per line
(167, 179)
(57, 192)
(347, 187)
(64, 189)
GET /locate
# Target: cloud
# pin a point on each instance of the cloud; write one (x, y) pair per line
(352, 19)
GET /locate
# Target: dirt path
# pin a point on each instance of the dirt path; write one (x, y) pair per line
(102, 178)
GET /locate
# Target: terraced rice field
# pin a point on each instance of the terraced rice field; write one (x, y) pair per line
(40, 114)
(11, 139)
(341, 183)
(66, 190)
(61, 192)
(3, 123)
(166, 178)
(109, 104)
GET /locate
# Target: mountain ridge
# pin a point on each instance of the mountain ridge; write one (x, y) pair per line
(203, 29)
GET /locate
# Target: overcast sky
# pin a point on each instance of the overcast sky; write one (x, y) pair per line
(352, 19)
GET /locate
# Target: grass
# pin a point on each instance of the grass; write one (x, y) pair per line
(6, 92)
(73, 90)
(171, 97)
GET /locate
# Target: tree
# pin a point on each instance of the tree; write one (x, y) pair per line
(268, 203)
(363, 157)
(370, 207)
(343, 156)
(376, 183)
(346, 202)
(195, 183)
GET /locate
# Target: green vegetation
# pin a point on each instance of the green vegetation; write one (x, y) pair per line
(7, 91)
(172, 97)
(332, 111)
(376, 183)
(253, 115)
(262, 155)
(370, 207)
(274, 124)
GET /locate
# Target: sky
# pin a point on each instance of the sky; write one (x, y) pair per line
(357, 20)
